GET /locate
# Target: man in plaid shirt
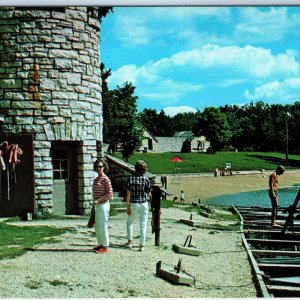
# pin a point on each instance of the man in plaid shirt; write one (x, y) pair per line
(138, 194)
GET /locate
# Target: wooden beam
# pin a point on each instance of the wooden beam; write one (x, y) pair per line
(263, 221)
(278, 266)
(189, 222)
(186, 250)
(287, 242)
(291, 280)
(283, 288)
(173, 276)
(276, 252)
(270, 230)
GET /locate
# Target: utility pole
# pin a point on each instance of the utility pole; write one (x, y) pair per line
(287, 138)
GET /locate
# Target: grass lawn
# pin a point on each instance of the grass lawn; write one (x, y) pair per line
(15, 239)
(160, 163)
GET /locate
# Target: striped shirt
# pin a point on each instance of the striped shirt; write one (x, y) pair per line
(102, 187)
(139, 186)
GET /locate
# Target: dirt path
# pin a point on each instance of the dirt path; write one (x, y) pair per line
(69, 269)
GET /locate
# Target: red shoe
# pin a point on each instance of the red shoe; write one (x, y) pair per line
(97, 248)
(102, 250)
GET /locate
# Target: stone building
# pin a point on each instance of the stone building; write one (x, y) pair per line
(50, 96)
(181, 141)
(148, 142)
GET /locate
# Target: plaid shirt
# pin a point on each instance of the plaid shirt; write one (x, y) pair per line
(139, 186)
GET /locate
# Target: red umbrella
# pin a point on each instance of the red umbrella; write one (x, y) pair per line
(176, 159)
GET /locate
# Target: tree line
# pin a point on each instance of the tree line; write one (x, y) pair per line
(251, 127)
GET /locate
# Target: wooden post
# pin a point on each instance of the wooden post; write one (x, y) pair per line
(156, 195)
(164, 184)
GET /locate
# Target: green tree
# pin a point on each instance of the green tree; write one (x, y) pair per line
(165, 124)
(103, 11)
(294, 128)
(158, 124)
(107, 102)
(184, 121)
(149, 120)
(121, 124)
(275, 131)
(124, 125)
(258, 118)
(240, 125)
(213, 124)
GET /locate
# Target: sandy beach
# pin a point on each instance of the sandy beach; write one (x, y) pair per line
(204, 187)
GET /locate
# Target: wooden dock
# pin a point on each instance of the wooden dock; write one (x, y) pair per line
(274, 253)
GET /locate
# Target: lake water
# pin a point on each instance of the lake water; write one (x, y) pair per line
(258, 198)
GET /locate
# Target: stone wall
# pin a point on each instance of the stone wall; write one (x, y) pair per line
(50, 86)
(168, 144)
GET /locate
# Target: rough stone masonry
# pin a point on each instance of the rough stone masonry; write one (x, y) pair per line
(50, 87)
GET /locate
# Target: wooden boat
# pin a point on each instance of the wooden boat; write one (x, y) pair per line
(274, 253)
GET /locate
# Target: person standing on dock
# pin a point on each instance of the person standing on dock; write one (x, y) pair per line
(182, 197)
(273, 193)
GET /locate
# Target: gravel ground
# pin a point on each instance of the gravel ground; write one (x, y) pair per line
(69, 269)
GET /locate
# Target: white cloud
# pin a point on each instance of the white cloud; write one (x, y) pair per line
(262, 25)
(151, 25)
(257, 62)
(287, 90)
(132, 73)
(144, 25)
(122, 75)
(231, 82)
(149, 79)
(173, 79)
(174, 110)
(130, 29)
(185, 55)
(167, 92)
(249, 60)
(172, 13)
(266, 25)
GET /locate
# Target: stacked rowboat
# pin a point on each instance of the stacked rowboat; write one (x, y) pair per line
(273, 252)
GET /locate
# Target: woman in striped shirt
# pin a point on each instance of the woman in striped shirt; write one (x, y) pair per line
(102, 192)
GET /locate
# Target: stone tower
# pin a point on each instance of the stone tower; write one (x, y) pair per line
(50, 96)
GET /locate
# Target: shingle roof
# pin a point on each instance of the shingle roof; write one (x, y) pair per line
(170, 144)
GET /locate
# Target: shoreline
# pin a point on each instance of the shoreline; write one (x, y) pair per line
(204, 187)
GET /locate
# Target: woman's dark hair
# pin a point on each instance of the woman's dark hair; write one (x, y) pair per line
(103, 161)
(140, 167)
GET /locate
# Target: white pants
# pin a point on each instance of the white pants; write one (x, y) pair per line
(142, 210)
(101, 223)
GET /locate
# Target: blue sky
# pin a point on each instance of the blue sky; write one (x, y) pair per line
(188, 58)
